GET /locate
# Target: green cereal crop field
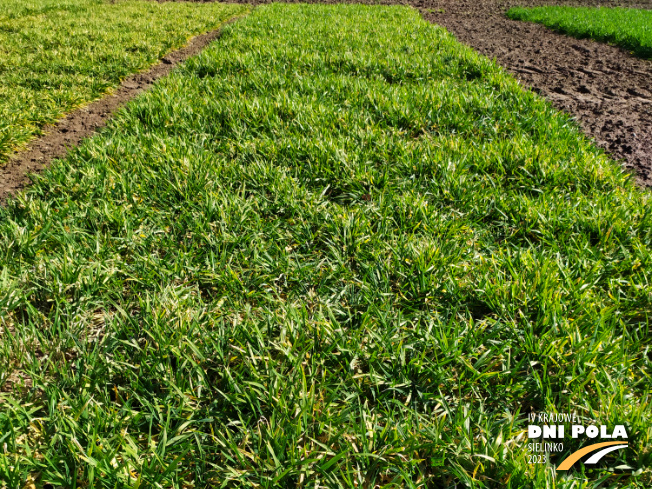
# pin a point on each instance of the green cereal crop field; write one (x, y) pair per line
(56, 55)
(628, 28)
(336, 249)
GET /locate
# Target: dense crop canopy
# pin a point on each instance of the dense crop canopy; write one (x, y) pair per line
(337, 249)
(56, 55)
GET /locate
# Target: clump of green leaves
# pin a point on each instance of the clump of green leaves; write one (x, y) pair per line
(56, 55)
(337, 249)
(625, 27)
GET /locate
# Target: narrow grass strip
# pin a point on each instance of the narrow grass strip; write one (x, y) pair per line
(57, 55)
(628, 28)
(336, 249)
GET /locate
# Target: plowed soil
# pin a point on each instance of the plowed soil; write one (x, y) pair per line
(608, 91)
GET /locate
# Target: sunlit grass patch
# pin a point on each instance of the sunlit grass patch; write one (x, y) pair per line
(56, 55)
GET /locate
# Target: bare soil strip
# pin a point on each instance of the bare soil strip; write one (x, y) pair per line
(84, 122)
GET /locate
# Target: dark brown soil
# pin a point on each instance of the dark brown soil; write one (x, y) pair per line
(608, 91)
(81, 123)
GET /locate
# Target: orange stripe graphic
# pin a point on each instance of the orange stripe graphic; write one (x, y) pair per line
(575, 456)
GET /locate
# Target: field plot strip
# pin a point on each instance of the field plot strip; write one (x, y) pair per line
(58, 55)
(607, 90)
(84, 122)
(337, 248)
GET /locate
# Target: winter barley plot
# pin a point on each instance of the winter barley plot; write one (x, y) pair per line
(56, 55)
(338, 248)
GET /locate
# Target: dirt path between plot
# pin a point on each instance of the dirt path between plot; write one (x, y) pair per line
(84, 122)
